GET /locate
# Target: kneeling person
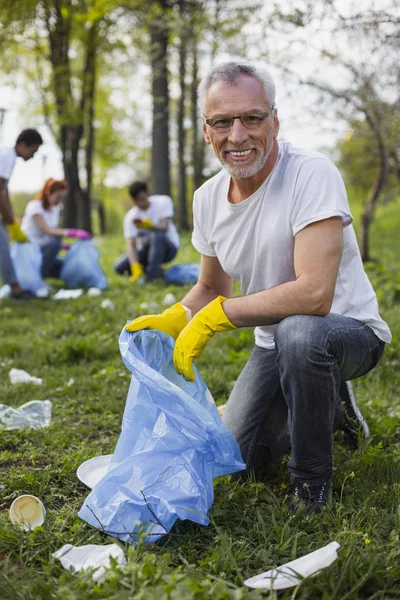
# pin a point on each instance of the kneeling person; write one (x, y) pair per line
(40, 225)
(277, 220)
(150, 234)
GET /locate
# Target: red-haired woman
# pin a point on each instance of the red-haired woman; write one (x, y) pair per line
(40, 225)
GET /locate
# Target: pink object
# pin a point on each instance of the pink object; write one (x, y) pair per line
(65, 246)
(80, 234)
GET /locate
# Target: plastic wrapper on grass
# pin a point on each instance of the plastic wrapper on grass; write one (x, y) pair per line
(35, 414)
(172, 445)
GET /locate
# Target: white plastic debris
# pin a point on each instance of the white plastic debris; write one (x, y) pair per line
(169, 299)
(35, 414)
(5, 291)
(91, 556)
(67, 294)
(43, 292)
(107, 304)
(21, 376)
(293, 572)
(28, 512)
(148, 306)
(94, 291)
(93, 470)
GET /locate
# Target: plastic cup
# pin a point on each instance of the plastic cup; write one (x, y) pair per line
(28, 512)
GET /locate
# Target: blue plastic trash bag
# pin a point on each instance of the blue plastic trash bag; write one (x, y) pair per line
(182, 274)
(27, 261)
(172, 445)
(81, 267)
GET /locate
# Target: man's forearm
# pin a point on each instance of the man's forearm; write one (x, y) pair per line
(198, 297)
(271, 306)
(132, 254)
(6, 210)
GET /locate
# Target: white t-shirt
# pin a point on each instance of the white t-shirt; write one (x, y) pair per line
(254, 240)
(29, 227)
(8, 157)
(161, 207)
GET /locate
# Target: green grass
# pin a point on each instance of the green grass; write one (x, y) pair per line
(251, 529)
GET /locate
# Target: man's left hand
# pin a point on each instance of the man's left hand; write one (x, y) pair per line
(194, 337)
(143, 223)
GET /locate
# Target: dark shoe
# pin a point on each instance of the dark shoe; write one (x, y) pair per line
(23, 295)
(352, 422)
(314, 496)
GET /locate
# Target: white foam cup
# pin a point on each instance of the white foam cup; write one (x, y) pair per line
(28, 511)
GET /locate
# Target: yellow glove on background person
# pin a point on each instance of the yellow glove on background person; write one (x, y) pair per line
(171, 321)
(136, 272)
(144, 223)
(15, 232)
(200, 329)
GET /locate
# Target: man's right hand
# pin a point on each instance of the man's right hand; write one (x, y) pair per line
(171, 321)
(16, 234)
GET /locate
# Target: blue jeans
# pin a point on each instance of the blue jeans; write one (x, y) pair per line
(287, 397)
(7, 272)
(159, 250)
(51, 263)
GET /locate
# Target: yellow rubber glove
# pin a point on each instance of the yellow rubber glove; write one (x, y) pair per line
(200, 329)
(143, 223)
(136, 272)
(171, 321)
(15, 232)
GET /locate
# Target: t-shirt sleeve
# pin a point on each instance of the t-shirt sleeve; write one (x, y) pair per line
(200, 219)
(7, 163)
(33, 208)
(130, 229)
(319, 194)
(166, 208)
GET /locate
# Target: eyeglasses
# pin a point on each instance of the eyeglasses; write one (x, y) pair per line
(248, 121)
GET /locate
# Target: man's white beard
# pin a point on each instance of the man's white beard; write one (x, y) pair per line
(240, 171)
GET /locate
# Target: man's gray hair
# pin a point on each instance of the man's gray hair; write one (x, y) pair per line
(229, 72)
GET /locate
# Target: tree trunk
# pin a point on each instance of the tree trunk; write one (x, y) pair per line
(68, 115)
(197, 139)
(369, 209)
(160, 175)
(182, 199)
(367, 216)
(70, 141)
(88, 110)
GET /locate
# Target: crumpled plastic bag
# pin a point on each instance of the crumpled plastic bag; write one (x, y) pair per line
(90, 556)
(183, 274)
(21, 376)
(172, 445)
(35, 414)
(27, 261)
(81, 267)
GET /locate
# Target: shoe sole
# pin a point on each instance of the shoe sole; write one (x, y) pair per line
(355, 422)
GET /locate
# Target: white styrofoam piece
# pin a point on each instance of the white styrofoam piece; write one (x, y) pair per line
(292, 573)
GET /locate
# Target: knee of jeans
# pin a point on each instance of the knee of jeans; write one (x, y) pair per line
(297, 335)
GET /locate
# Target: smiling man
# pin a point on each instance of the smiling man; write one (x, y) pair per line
(277, 220)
